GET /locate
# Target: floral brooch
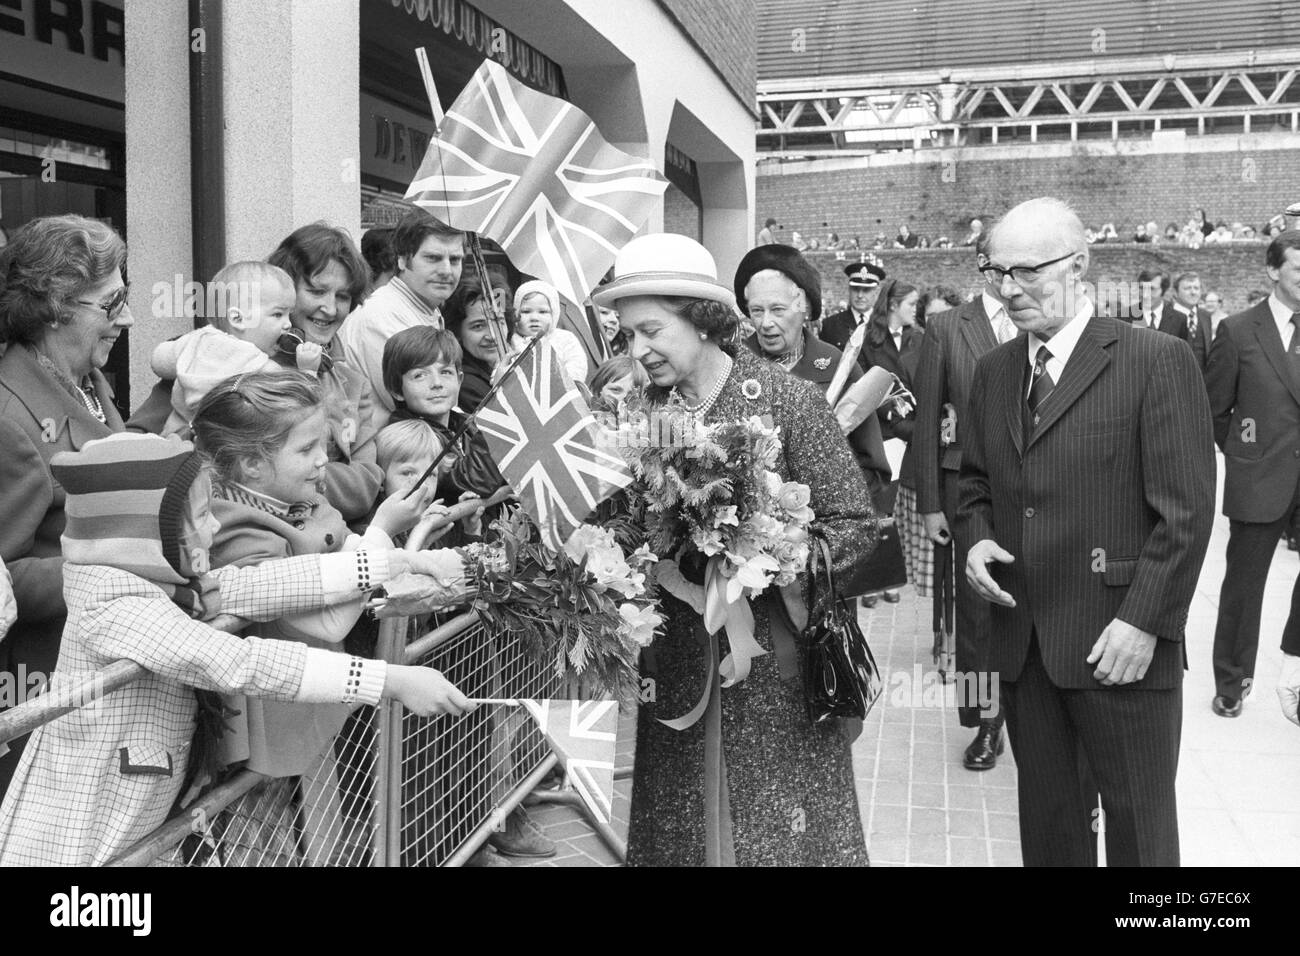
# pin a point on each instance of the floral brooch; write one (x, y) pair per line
(751, 389)
(822, 363)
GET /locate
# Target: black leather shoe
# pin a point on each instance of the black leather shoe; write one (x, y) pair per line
(892, 597)
(985, 749)
(1226, 706)
(869, 600)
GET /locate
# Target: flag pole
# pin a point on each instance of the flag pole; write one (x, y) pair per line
(469, 419)
(426, 74)
(475, 246)
(495, 319)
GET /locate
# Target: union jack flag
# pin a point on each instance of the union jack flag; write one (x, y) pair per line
(584, 735)
(543, 437)
(532, 172)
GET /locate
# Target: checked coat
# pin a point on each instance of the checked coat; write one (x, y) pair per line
(95, 781)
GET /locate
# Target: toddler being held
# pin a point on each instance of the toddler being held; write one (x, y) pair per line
(250, 303)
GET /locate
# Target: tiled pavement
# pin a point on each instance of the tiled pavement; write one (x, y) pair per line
(1237, 779)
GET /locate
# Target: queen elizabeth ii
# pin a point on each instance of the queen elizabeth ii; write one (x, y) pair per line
(751, 781)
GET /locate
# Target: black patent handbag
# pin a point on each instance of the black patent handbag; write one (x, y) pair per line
(840, 674)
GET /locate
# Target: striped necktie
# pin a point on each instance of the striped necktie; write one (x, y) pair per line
(1041, 383)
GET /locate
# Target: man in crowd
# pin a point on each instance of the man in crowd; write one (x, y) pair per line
(1253, 379)
(1152, 286)
(1186, 318)
(864, 284)
(765, 235)
(429, 259)
(1086, 503)
(954, 341)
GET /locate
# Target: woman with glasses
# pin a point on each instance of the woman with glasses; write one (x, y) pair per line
(62, 308)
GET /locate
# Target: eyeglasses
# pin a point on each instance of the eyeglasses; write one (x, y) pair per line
(115, 304)
(1020, 275)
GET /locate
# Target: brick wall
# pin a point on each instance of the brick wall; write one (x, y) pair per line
(727, 32)
(1232, 270)
(1232, 186)
(681, 215)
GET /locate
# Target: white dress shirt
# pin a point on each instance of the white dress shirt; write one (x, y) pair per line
(1154, 317)
(1177, 310)
(1061, 345)
(1282, 316)
(1004, 330)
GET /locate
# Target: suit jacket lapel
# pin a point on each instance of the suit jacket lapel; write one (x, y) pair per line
(1274, 350)
(1013, 396)
(977, 330)
(1086, 363)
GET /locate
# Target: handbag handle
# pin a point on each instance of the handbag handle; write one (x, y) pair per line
(820, 555)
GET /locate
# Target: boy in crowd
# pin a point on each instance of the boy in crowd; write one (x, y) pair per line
(422, 375)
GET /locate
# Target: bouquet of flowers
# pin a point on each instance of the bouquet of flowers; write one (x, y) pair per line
(712, 488)
(588, 609)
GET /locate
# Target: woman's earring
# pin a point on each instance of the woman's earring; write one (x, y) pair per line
(703, 336)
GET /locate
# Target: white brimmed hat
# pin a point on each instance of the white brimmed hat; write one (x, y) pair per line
(664, 264)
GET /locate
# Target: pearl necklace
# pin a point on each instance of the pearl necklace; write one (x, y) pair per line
(84, 392)
(700, 410)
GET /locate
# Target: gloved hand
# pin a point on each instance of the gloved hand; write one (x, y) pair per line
(1288, 688)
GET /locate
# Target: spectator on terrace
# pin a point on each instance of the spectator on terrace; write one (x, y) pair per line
(1202, 222)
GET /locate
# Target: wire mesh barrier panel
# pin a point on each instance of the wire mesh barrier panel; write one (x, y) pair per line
(326, 817)
(393, 789)
(456, 772)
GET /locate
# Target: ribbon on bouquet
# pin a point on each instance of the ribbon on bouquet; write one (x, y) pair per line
(737, 617)
(710, 602)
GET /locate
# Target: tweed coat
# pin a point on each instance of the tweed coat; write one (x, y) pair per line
(817, 365)
(787, 785)
(95, 781)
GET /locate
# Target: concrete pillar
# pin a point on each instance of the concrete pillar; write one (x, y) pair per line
(292, 109)
(157, 174)
(728, 194)
(291, 103)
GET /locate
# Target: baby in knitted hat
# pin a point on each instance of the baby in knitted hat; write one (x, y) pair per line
(137, 588)
(537, 313)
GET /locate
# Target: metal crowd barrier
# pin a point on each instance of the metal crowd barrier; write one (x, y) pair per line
(392, 789)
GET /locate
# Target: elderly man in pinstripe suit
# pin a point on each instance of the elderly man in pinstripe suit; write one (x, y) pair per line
(1087, 496)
